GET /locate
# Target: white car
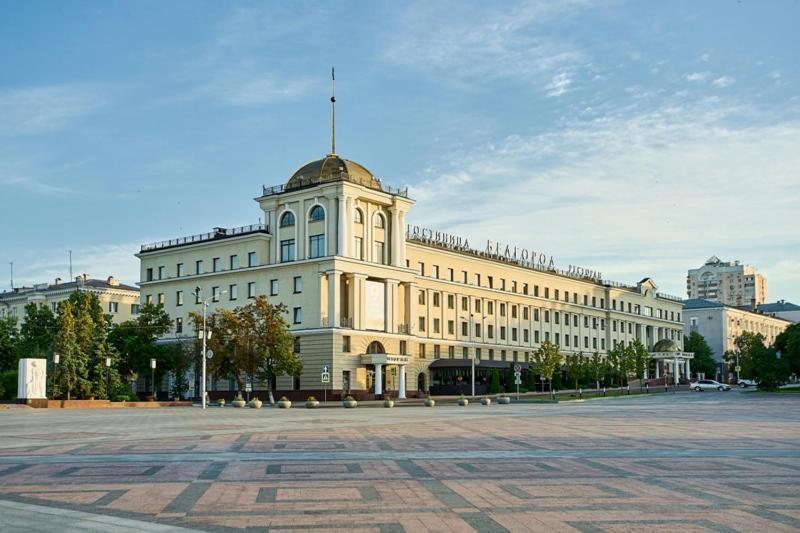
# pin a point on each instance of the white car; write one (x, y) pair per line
(744, 383)
(708, 384)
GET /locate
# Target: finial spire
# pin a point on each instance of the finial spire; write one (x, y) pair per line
(333, 111)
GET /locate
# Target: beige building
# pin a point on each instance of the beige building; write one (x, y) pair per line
(727, 283)
(386, 305)
(119, 301)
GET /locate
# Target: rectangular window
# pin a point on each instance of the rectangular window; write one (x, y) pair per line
(436, 271)
(502, 333)
(477, 306)
(566, 296)
(451, 327)
(586, 342)
(464, 304)
(536, 290)
(464, 329)
(547, 292)
(477, 330)
(558, 341)
(421, 297)
(216, 264)
(575, 341)
(477, 280)
(273, 287)
(252, 260)
(575, 323)
(359, 251)
(234, 262)
(465, 352)
(451, 352)
(149, 274)
(436, 297)
(594, 343)
(525, 336)
(450, 274)
(491, 282)
(585, 301)
(198, 266)
(514, 334)
(603, 303)
(148, 299)
(477, 353)
(525, 313)
(233, 292)
(546, 335)
(502, 309)
(436, 325)
(160, 298)
(566, 340)
(556, 315)
(214, 294)
(451, 301)
(346, 343)
(464, 277)
(437, 353)
(421, 268)
(113, 307)
(547, 315)
(536, 336)
(403, 348)
(490, 331)
(287, 250)
(134, 309)
(179, 325)
(536, 315)
(490, 307)
(594, 301)
(378, 255)
(422, 324)
(316, 246)
(298, 315)
(251, 289)
(179, 298)
(161, 272)
(513, 311)
(556, 294)
(298, 284)
(179, 270)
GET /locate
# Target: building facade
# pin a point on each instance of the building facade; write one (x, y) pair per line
(720, 324)
(781, 309)
(390, 306)
(729, 283)
(119, 301)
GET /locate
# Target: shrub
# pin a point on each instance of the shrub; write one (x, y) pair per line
(349, 398)
(311, 399)
(283, 399)
(8, 385)
(494, 386)
(123, 392)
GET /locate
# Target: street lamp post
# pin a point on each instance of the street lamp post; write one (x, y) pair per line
(205, 336)
(153, 377)
(56, 360)
(108, 377)
(738, 377)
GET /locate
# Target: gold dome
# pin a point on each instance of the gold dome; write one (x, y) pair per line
(666, 345)
(332, 168)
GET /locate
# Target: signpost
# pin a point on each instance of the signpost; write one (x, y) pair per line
(325, 378)
(518, 376)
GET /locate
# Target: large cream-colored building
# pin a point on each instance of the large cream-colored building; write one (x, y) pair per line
(118, 300)
(729, 283)
(387, 305)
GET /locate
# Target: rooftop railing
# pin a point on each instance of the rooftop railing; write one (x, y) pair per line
(218, 233)
(301, 182)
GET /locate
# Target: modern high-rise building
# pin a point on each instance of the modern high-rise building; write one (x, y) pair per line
(725, 282)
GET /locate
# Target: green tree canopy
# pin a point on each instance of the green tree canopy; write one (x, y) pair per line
(547, 359)
(37, 332)
(135, 342)
(8, 343)
(788, 343)
(703, 354)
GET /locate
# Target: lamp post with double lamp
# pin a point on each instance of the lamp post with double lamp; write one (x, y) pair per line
(56, 360)
(471, 327)
(205, 334)
(108, 377)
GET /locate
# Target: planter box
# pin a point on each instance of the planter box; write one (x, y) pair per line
(463, 402)
(312, 404)
(238, 403)
(350, 404)
(430, 402)
(388, 403)
(486, 401)
(284, 404)
(504, 400)
(255, 403)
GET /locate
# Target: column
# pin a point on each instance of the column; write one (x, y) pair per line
(359, 300)
(401, 392)
(676, 371)
(688, 370)
(273, 231)
(395, 237)
(411, 294)
(378, 378)
(658, 369)
(401, 228)
(341, 231)
(348, 221)
(390, 305)
(351, 299)
(333, 298)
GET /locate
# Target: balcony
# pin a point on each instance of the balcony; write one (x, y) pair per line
(218, 233)
(403, 329)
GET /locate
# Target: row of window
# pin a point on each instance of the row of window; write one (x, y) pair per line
(199, 267)
(616, 305)
(232, 291)
(317, 213)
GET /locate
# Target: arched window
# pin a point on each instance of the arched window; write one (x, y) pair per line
(317, 213)
(375, 347)
(287, 219)
(359, 216)
(378, 221)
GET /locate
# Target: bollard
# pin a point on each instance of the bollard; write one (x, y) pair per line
(629, 390)
(580, 394)
(647, 388)
(604, 392)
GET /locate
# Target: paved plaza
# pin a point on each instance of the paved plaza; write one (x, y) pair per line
(668, 462)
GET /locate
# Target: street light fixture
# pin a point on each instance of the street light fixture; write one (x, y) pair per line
(56, 360)
(471, 327)
(205, 335)
(153, 377)
(108, 377)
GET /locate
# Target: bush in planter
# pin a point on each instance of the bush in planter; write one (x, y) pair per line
(312, 403)
(221, 402)
(284, 402)
(430, 402)
(255, 403)
(494, 386)
(388, 402)
(238, 401)
(349, 402)
(486, 401)
(463, 401)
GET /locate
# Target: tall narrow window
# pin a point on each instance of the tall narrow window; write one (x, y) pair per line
(251, 259)
(251, 289)
(216, 264)
(378, 221)
(379, 255)
(179, 298)
(234, 263)
(359, 248)
(287, 250)
(316, 246)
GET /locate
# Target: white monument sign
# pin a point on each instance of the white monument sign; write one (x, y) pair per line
(32, 383)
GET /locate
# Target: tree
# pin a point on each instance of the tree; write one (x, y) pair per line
(8, 343)
(72, 368)
(37, 332)
(135, 342)
(639, 360)
(596, 367)
(494, 384)
(181, 359)
(613, 364)
(575, 364)
(547, 359)
(788, 343)
(703, 354)
(769, 369)
(746, 344)
(252, 341)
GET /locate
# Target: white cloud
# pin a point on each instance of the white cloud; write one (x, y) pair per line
(32, 185)
(559, 84)
(723, 81)
(35, 110)
(651, 193)
(697, 76)
(471, 44)
(705, 57)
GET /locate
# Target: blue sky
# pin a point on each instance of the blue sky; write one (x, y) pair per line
(635, 138)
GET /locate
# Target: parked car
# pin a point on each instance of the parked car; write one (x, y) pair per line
(744, 383)
(708, 384)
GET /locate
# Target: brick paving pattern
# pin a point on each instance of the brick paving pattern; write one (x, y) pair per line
(686, 461)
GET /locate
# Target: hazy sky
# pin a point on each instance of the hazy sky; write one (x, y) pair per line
(634, 138)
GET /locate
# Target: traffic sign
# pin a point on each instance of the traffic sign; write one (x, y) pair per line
(209, 354)
(738, 368)
(248, 387)
(325, 368)
(517, 368)
(326, 377)
(518, 381)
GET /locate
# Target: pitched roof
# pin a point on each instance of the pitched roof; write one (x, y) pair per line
(778, 307)
(699, 303)
(69, 286)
